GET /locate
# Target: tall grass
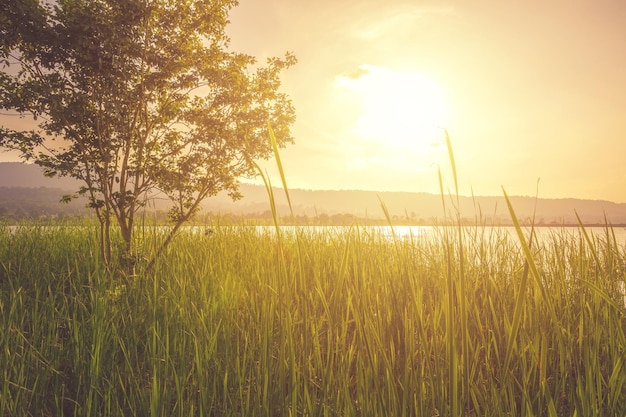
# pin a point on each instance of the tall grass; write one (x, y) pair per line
(342, 322)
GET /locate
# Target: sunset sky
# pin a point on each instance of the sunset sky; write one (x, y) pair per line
(527, 90)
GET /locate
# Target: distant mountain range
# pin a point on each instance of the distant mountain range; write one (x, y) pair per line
(16, 174)
(25, 189)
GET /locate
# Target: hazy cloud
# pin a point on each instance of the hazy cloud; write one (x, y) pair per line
(357, 73)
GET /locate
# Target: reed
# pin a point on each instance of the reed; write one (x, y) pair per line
(342, 322)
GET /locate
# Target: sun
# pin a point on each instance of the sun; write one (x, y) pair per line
(400, 110)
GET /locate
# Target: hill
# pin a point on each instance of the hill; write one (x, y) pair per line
(24, 190)
(17, 174)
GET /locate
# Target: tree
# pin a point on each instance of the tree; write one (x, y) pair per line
(138, 97)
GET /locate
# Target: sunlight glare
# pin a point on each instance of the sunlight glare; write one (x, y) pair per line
(402, 111)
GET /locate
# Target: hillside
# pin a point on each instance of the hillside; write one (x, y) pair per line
(24, 190)
(16, 174)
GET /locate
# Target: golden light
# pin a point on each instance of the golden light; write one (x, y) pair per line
(402, 111)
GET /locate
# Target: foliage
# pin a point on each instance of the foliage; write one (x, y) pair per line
(138, 98)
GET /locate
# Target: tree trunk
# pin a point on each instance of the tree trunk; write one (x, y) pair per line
(105, 238)
(128, 258)
(165, 244)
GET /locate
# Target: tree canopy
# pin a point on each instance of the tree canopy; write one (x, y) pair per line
(138, 97)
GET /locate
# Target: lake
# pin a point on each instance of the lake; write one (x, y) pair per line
(413, 232)
(427, 232)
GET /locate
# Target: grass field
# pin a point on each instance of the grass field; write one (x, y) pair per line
(343, 323)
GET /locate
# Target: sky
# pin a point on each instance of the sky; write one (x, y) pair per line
(532, 93)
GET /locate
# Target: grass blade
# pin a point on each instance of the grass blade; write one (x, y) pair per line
(531, 266)
(279, 164)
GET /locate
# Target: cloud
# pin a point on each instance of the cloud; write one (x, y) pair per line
(358, 73)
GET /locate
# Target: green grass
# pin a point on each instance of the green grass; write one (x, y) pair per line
(348, 322)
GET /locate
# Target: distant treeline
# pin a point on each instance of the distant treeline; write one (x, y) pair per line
(36, 203)
(42, 203)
